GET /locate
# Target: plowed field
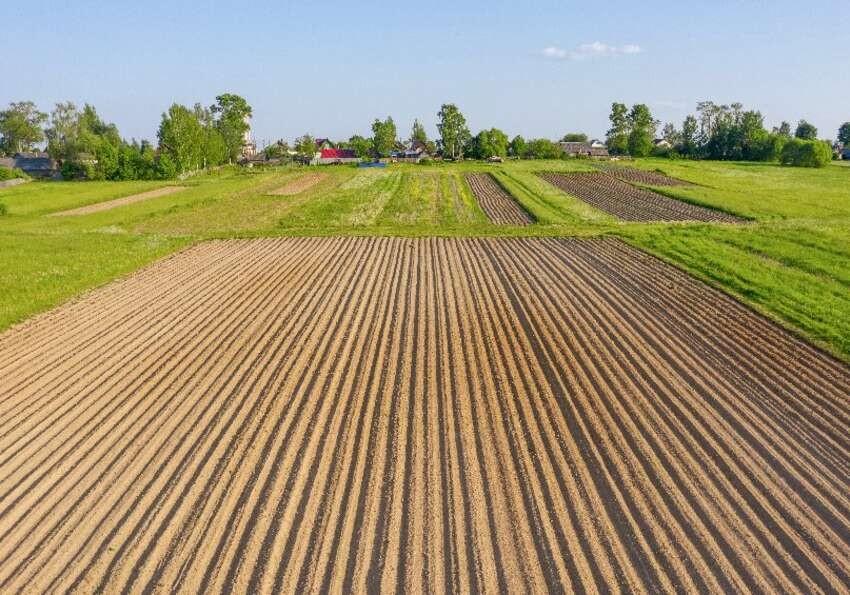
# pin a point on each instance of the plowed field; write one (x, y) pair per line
(630, 203)
(499, 206)
(640, 176)
(120, 202)
(381, 413)
(300, 184)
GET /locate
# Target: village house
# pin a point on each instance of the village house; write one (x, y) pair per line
(36, 165)
(579, 149)
(335, 157)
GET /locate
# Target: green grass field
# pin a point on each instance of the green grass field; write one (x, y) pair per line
(791, 262)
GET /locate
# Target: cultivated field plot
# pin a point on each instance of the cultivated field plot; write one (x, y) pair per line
(499, 206)
(639, 176)
(382, 413)
(630, 203)
(120, 202)
(299, 185)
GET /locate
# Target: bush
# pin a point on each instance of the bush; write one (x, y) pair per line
(11, 174)
(3, 209)
(806, 153)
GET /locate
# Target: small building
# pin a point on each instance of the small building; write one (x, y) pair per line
(335, 156)
(662, 143)
(323, 143)
(413, 153)
(36, 165)
(579, 149)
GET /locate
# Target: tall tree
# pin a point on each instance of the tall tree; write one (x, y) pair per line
(454, 134)
(181, 138)
(305, 146)
(784, 129)
(384, 136)
(844, 134)
(232, 114)
(517, 147)
(671, 134)
(21, 127)
(617, 138)
(689, 143)
(806, 131)
(63, 135)
(361, 146)
(641, 130)
(418, 133)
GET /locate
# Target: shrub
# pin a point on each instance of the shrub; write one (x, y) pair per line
(3, 209)
(806, 153)
(11, 174)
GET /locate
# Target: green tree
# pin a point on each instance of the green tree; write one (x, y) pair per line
(806, 131)
(383, 136)
(418, 133)
(306, 146)
(617, 138)
(361, 146)
(574, 137)
(63, 135)
(689, 142)
(806, 153)
(21, 127)
(641, 130)
(542, 148)
(454, 134)
(844, 134)
(518, 147)
(181, 137)
(232, 114)
(784, 129)
(490, 143)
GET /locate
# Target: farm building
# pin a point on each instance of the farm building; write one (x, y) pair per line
(37, 165)
(335, 156)
(323, 143)
(662, 143)
(577, 149)
(414, 153)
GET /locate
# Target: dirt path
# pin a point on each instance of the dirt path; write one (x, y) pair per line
(119, 202)
(499, 206)
(630, 203)
(299, 184)
(353, 414)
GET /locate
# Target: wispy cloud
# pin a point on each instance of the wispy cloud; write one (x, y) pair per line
(597, 49)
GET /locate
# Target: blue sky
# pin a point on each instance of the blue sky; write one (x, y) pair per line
(329, 68)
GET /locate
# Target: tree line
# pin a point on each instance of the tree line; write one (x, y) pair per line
(85, 146)
(720, 132)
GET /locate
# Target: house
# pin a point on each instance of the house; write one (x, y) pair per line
(578, 149)
(36, 165)
(323, 143)
(335, 156)
(415, 152)
(662, 143)
(597, 144)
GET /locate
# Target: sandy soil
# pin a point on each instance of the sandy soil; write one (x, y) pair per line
(298, 185)
(630, 203)
(498, 205)
(352, 414)
(119, 202)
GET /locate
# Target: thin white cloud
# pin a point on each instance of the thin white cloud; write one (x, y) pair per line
(597, 49)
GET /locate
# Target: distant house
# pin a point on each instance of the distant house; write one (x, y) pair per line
(578, 149)
(36, 165)
(412, 153)
(662, 143)
(323, 143)
(597, 144)
(335, 156)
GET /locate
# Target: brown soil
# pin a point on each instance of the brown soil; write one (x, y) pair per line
(630, 203)
(497, 204)
(639, 176)
(355, 414)
(298, 185)
(119, 202)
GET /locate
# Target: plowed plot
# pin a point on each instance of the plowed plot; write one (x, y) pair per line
(499, 206)
(629, 203)
(120, 202)
(353, 414)
(298, 185)
(640, 176)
